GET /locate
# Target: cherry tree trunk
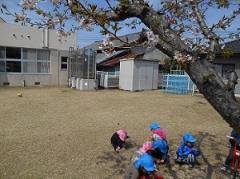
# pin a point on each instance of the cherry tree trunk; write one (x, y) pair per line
(215, 91)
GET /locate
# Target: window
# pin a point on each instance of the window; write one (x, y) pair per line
(13, 53)
(29, 67)
(43, 55)
(43, 67)
(2, 66)
(64, 63)
(29, 54)
(43, 58)
(226, 69)
(2, 52)
(24, 60)
(13, 66)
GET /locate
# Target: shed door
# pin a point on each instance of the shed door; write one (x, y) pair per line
(144, 75)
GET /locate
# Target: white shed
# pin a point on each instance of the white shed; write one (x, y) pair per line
(138, 74)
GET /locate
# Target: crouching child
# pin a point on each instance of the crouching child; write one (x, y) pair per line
(157, 132)
(118, 140)
(186, 152)
(160, 151)
(143, 167)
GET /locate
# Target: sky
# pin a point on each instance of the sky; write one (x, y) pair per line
(85, 38)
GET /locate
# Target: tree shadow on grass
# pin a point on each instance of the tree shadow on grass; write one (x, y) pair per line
(117, 161)
(216, 148)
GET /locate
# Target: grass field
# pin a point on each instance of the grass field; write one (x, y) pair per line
(59, 133)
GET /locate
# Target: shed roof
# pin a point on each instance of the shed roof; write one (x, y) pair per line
(140, 59)
(116, 60)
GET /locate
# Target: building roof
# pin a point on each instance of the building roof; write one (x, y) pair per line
(234, 46)
(120, 53)
(100, 57)
(116, 60)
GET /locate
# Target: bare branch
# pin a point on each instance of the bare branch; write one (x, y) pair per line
(109, 5)
(94, 16)
(169, 39)
(213, 38)
(226, 21)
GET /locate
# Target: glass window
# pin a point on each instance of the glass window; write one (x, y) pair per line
(29, 54)
(43, 55)
(29, 67)
(13, 66)
(64, 64)
(2, 66)
(43, 67)
(12, 52)
(2, 52)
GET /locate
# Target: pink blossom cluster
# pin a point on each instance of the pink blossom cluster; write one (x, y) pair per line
(107, 42)
(20, 17)
(181, 57)
(152, 38)
(62, 34)
(86, 23)
(56, 1)
(29, 4)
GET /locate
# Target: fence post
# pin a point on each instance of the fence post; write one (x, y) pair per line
(167, 82)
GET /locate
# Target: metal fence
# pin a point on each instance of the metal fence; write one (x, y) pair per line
(82, 63)
(177, 82)
(107, 79)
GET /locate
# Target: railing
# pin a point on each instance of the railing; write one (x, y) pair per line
(108, 79)
(178, 83)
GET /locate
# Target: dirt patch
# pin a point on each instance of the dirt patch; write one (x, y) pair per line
(64, 133)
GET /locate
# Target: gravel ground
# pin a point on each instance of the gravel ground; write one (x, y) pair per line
(59, 133)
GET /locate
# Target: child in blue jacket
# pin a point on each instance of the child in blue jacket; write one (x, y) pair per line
(186, 152)
(160, 151)
(144, 165)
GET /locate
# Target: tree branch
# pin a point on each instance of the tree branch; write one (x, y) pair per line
(94, 16)
(109, 5)
(210, 35)
(169, 41)
(225, 21)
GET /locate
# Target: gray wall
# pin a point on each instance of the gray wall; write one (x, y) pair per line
(31, 37)
(138, 75)
(56, 77)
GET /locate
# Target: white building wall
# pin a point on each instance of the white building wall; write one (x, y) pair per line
(138, 75)
(155, 75)
(126, 75)
(61, 44)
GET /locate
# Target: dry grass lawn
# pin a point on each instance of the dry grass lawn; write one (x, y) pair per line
(57, 133)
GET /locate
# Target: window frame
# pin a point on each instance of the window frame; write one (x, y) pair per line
(223, 72)
(22, 60)
(13, 59)
(64, 63)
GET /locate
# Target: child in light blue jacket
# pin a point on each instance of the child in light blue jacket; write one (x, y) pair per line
(186, 152)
